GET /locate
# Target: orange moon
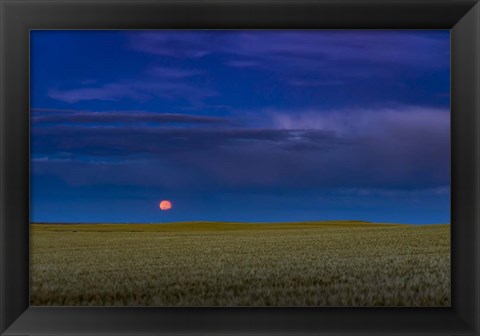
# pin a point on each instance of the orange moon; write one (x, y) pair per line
(165, 205)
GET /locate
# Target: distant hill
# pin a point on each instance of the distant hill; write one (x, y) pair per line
(206, 226)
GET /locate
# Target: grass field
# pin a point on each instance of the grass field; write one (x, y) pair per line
(339, 263)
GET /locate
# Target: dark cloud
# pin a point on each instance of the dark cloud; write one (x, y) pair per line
(401, 149)
(49, 116)
(127, 140)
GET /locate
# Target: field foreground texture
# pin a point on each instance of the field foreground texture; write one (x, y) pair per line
(338, 263)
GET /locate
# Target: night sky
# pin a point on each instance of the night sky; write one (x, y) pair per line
(251, 126)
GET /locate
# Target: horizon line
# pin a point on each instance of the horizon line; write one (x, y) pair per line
(230, 222)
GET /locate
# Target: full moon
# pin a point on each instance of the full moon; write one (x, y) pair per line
(165, 205)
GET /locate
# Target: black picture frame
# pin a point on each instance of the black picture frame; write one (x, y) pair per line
(17, 17)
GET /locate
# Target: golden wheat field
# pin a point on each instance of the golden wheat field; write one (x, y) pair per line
(338, 263)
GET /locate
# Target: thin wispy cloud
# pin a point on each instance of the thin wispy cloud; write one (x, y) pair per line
(365, 121)
(242, 64)
(140, 91)
(298, 49)
(176, 44)
(394, 193)
(313, 83)
(305, 58)
(105, 92)
(173, 73)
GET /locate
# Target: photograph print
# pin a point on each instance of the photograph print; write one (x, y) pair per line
(240, 168)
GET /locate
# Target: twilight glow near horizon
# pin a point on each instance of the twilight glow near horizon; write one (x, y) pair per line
(251, 126)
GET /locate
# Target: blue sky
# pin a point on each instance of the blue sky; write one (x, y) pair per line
(240, 125)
